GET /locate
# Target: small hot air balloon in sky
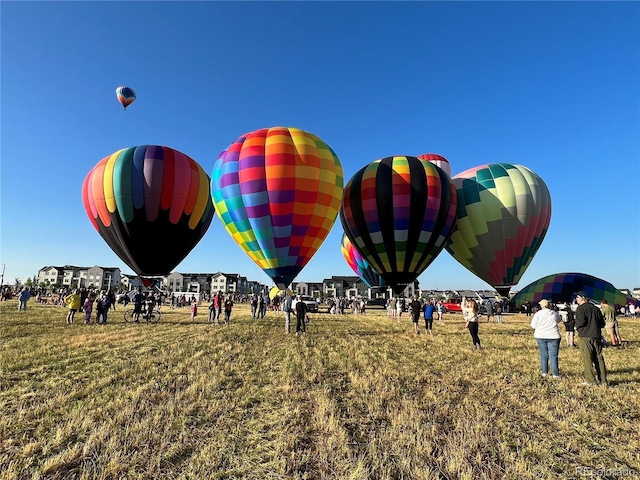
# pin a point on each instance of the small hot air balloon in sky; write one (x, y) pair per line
(562, 287)
(151, 204)
(126, 96)
(438, 161)
(359, 265)
(277, 191)
(398, 212)
(504, 212)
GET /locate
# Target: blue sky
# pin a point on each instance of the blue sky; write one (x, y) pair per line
(553, 86)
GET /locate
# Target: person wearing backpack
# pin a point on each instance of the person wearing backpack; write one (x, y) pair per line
(589, 323)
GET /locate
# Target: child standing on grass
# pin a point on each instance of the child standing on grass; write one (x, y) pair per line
(194, 309)
(88, 308)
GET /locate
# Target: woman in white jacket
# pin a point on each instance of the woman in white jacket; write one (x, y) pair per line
(546, 332)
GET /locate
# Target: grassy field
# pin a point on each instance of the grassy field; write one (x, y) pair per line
(358, 397)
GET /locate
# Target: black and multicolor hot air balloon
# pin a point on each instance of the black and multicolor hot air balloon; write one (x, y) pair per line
(151, 204)
(367, 274)
(126, 96)
(398, 212)
(504, 211)
(277, 191)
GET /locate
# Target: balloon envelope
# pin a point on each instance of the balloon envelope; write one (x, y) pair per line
(562, 287)
(398, 212)
(359, 265)
(275, 291)
(504, 212)
(437, 160)
(126, 96)
(151, 204)
(277, 191)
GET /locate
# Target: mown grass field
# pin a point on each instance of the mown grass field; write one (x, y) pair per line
(358, 397)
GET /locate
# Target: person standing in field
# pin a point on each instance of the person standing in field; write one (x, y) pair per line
(611, 323)
(498, 309)
(88, 308)
(428, 309)
(105, 301)
(194, 309)
(416, 308)
(23, 297)
(287, 308)
(547, 335)
(589, 324)
(301, 313)
(99, 306)
(138, 302)
(73, 304)
(399, 307)
(472, 315)
(218, 304)
(440, 311)
(568, 320)
(228, 306)
(211, 311)
(489, 307)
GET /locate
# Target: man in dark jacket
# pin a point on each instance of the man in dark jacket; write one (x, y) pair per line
(301, 313)
(589, 323)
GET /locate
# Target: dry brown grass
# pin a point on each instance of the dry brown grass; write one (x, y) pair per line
(359, 397)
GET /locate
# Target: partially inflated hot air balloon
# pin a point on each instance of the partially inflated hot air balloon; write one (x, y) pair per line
(438, 161)
(398, 212)
(277, 191)
(359, 265)
(562, 287)
(151, 204)
(126, 96)
(504, 212)
(275, 291)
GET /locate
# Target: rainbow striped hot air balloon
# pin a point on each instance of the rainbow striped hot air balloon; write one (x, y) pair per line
(277, 191)
(367, 274)
(504, 212)
(126, 96)
(399, 212)
(151, 204)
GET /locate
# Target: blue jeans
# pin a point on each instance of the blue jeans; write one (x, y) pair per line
(549, 348)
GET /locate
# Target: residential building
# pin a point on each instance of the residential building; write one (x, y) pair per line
(104, 278)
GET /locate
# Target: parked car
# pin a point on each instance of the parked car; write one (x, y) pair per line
(312, 304)
(377, 302)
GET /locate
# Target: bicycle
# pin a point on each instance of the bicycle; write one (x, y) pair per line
(153, 316)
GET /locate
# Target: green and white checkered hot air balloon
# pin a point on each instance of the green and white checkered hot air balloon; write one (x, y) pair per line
(504, 212)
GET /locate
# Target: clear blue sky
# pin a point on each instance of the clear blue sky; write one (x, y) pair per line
(553, 86)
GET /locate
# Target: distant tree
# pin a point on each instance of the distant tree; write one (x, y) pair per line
(29, 282)
(18, 282)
